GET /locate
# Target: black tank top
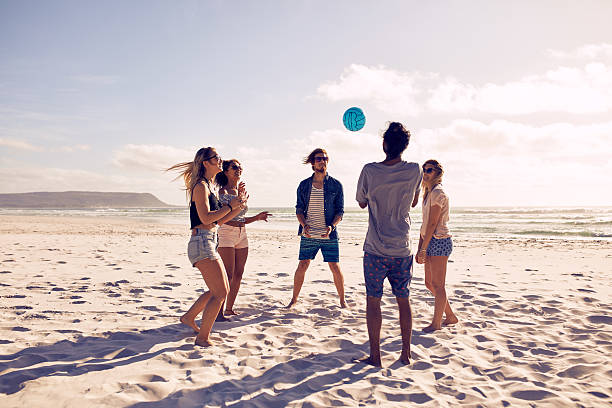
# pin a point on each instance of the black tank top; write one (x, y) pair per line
(213, 203)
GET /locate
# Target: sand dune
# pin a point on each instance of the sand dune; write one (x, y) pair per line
(90, 317)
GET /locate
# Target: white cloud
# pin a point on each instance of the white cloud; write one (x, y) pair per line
(150, 157)
(564, 89)
(587, 51)
(19, 144)
(23, 145)
(577, 90)
(389, 90)
(509, 163)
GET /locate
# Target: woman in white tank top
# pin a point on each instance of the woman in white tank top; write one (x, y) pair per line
(435, 244)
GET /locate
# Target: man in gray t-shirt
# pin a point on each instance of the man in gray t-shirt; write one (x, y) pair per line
(389, 189)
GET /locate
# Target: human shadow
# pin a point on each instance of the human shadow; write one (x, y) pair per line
(87, 354)
(290, 381)
(109, 350)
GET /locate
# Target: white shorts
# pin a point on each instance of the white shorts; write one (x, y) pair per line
(233, 237)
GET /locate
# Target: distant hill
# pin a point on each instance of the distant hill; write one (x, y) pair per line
(80, 199)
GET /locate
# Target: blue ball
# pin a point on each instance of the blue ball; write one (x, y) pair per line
(353, 119)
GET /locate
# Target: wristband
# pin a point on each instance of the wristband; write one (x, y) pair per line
(230, 206)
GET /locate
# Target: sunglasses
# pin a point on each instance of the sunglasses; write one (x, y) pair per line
(216, 156)
(236, 167)
(429, 170)
(320, 159)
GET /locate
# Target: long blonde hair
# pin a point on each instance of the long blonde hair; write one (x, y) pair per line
(194, 172)
(436, 180)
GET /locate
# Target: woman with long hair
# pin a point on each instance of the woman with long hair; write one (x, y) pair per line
(233, 240)
(435, 244)
(206, 213)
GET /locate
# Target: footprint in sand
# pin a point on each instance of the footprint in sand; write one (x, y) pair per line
(151, 308)
(5, 272)
(532, 395)
(586, 290)
(600, 319)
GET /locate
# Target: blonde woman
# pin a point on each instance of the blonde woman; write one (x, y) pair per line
(206, 213)
(233, 240)
(435, 244)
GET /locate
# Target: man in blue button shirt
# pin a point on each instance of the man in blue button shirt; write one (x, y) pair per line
(319, 209)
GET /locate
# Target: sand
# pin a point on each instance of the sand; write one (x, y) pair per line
(90, 310)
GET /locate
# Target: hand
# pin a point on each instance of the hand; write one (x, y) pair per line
(263, 216)
(420, 257)
(329, 230)
(307, 231)
(242, 192)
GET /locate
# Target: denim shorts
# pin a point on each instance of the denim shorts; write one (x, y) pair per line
(310, 246)
(440, 247)
(203, 245)
(397, 270)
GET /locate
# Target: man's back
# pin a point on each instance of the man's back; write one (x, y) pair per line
(389, 192)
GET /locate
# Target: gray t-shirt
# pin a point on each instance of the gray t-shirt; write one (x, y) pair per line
(389, 192)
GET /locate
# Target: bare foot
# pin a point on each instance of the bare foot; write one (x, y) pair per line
(431, 328)
(231, 313)
(221, 318)
(203, 343)
(291, 304)
(450, 320)
(404, 357)
(371, 361)
(343, 304)
(190, 322)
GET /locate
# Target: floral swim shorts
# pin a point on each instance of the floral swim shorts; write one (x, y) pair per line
(397, 270)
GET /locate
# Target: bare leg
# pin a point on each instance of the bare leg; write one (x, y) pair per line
(405, 319)
(195, 309)
(216, 280)
(227, 255)
(374, 321)
(338, 281)
(239, 263)
(450, 316)
(298, 280)
(438, 280)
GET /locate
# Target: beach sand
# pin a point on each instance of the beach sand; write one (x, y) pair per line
(90, 310)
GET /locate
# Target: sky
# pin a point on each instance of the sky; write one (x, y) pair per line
(513, 98)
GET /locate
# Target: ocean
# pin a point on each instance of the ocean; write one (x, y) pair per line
(589, 223)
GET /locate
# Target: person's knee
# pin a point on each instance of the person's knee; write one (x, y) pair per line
(237, 274)
(373, 302)
(220, 294)
(335, 268)
(437, 286)
(303, 265)
(429, 286)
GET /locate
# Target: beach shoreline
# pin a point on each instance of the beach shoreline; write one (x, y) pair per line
(94, 302)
